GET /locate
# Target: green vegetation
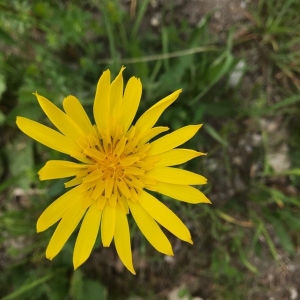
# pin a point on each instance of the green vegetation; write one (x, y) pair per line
(244, 88)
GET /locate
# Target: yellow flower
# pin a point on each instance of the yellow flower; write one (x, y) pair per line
(117, 164)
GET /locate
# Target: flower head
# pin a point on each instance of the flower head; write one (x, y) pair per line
(116, 166)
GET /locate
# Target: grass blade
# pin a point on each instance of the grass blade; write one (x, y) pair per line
(28, 286)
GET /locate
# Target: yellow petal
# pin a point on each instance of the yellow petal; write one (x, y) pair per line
(184, 193)
(87, 200)
(93, 176)
(116, 95)
(149, 118)
(55, 211)
(73, 182)
(101, 201)
(129, 160)
(153, 132)
(133, 181)
(123, 187)
(122, 239)
(131, 101)
(81, 157)
(176, 176)
(97, 155)
(173, 140)
(60, 120)
(108, 224)
(101, 103)
(120, 146)
(98, 190)
(60, 169)
(164, 216)
(46, 136)
(84, 187)
(87, 236)
(109, 184)
(123, 204)
(65, 228)
(176, 157)
(150, 229)
(134, 171)
(76, 112)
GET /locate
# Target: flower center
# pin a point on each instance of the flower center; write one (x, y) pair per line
(116, 168)
(110, 167)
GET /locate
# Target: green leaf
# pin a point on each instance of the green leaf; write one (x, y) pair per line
(20, 156)
(214, 134)
(221, 66)
(2, 118)
(295, 171)
(2, 85)
(140, 16)
(76, 290)
(5, 37)
(93, 290)
(270, 243)
(282, 235)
